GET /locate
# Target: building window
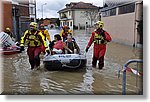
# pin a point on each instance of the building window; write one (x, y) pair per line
(127, 8)
(67, 23)
(113, 12)
(32, 10)
(71, 23)
(69, 13)
(110, 12)
(64, 23)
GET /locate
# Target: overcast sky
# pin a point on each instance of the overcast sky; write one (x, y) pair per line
(53, 6)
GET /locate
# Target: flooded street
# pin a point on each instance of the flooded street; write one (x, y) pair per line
(20, 79)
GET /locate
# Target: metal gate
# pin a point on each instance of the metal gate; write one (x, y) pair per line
(134, 71)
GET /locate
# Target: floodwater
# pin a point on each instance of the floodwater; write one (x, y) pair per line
(20, 79)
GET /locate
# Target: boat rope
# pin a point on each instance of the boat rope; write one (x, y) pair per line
(64, 65)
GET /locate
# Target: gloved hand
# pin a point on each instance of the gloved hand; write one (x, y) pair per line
(103, 33)
(102, 41)
(51, 44)
(86, 50)
(21, 48)
(48, 52)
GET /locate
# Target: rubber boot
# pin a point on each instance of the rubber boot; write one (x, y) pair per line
(94, 62)
(101, 63)
(32, 63)
(37, 61)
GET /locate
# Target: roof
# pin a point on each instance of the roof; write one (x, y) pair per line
(78, 5)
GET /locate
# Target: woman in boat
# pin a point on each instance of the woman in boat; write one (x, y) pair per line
(57, 46)
(72, 45)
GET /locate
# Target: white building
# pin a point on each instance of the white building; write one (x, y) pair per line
(74, 15)
(32, 9)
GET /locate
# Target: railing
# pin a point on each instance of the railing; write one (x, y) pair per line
(126, 68)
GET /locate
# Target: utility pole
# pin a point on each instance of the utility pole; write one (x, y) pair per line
(42, 8)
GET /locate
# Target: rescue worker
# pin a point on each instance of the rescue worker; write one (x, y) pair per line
(34, 39)
(100, 38)
(72, 45)
(8, 31)
(45, 34)
(64, 32)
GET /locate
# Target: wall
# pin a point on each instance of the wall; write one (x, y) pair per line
(1, 16)
(121, 27)
(7, 15)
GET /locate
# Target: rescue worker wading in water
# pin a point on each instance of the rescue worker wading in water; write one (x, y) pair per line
(100, 39)
(64, 32)
(34, 39)
(45, 34)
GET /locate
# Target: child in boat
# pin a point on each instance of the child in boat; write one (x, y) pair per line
(57, 46)
(72, 45)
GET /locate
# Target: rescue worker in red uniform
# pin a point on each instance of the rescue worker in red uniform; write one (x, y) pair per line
(34, 39)
(64, 32)
(100, 38)
(46, 36)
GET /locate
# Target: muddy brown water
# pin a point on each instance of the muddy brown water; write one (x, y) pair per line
(20, 79)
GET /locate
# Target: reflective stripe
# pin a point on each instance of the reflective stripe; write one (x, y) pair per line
(98, 38)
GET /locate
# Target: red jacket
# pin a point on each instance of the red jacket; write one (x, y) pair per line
(107, 38)
(59, 45)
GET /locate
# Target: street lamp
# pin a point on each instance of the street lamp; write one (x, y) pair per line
(42, 8)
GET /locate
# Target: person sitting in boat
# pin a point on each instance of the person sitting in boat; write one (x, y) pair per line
(57, 46)
(64, 32)
(6, 42)
(72, 45)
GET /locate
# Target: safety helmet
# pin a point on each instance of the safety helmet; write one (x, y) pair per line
(33, 25)
(8, 29)
(100, 24)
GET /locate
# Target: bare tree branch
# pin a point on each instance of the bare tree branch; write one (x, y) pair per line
(91, 15)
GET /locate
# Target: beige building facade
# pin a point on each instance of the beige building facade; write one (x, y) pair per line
(122, 22)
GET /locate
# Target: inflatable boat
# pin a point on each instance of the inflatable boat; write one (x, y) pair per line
(7, 45)
(9, 51)
(61, 61)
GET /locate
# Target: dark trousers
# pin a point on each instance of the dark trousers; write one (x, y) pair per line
(101, 62)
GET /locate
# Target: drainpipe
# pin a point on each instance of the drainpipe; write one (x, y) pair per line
(134, 44)
(14, 21)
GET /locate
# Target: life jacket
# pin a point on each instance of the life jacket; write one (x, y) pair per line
(65, 34)
(33, 40)
(71, 45)
(44, 35)
(99, 38)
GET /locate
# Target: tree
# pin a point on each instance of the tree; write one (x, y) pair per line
(91, 15)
